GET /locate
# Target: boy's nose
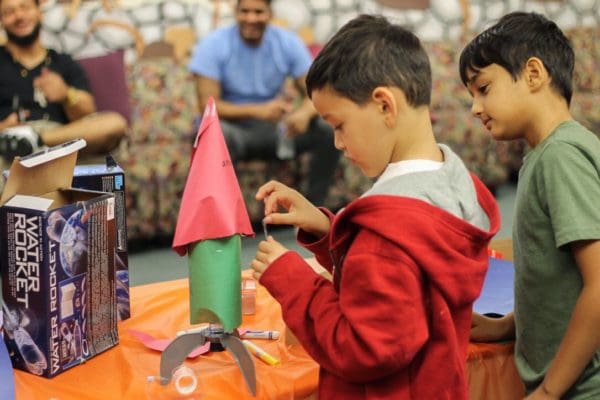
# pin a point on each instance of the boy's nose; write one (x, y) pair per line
(476, 108)
(337, 143)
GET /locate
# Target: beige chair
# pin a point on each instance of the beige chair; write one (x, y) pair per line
(157, 50)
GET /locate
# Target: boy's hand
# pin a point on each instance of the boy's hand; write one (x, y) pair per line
(300, 212)
(268, 251)
(487, 329)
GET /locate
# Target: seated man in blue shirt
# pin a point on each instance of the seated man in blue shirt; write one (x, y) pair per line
(244, 68)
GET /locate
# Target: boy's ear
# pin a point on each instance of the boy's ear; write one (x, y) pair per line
(535, 73)
(386, 103)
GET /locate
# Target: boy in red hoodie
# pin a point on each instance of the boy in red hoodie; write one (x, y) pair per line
(408, 258)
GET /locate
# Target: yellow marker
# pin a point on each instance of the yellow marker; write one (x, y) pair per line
(260, 353)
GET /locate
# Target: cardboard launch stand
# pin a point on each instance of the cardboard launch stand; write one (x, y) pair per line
(57, 261)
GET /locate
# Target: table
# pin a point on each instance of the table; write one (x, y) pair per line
(491, 372)
(491, 366)
(161, 310)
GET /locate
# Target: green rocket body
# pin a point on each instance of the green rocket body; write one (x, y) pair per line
(215, 282)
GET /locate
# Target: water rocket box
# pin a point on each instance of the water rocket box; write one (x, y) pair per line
(110, 177)
(57, 264)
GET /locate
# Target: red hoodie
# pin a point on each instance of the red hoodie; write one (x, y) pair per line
(395, 321)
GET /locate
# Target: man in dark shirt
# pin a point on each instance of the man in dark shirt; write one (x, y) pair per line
(44, 96)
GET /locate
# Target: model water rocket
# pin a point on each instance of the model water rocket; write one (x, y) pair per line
(212, 217)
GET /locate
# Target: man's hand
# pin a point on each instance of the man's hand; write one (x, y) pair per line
(52, 85)
(272, 110)
(300, 212)
(11, 120)
(297, 122)
(268, 251)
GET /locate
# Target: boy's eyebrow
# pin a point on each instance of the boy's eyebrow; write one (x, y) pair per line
(473, 77)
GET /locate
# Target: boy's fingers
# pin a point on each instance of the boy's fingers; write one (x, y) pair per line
(263, 191)
(268, 187)
(260, 255)
(271, 204)
(280, 219)
(264, 247)
(257, 265)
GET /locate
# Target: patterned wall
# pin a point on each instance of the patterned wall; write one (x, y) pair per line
(443, 20)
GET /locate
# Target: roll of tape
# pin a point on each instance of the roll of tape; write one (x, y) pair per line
(185, 380)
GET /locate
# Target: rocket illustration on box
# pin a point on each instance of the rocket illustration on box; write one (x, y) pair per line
(212, 218)
(7, 379)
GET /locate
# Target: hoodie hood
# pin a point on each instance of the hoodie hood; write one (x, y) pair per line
(450, 252)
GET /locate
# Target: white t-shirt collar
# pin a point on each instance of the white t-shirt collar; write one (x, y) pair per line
(407, 167)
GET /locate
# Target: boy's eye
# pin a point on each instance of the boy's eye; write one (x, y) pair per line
(483, 89)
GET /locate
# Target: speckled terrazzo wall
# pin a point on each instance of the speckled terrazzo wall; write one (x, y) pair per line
(68, 31)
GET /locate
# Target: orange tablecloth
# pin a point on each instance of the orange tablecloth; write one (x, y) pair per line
(492, 373)
(162, 309)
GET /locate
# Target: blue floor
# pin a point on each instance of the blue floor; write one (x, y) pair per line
(163, 264)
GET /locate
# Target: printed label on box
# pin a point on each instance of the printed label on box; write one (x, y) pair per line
(110, 178)
(58, 282)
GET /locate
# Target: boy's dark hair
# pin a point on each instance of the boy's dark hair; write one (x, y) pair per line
(513, 40)
(368, 52)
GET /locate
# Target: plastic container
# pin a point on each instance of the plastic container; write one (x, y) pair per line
(286, 150)
(248, 296)
(184, 384)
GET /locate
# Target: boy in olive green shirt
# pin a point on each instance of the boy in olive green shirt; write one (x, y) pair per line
(519, 72)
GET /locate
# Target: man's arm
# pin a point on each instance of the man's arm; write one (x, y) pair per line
(77, 103)
(269, 111)
(299, 119)
(11, 120)
(582, 338)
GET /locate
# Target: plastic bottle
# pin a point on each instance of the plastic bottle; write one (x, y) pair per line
(286, 150)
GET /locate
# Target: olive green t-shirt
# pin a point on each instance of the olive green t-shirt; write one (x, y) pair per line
(557, 203)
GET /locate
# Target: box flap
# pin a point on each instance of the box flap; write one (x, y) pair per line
(109, 167)
(42, 172)
(31, 202)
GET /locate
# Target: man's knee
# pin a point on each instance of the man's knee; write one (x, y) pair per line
(319, 137)
(114, 127)
(227, 128)
(233, 135)
(108, 128)
(114, 122)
